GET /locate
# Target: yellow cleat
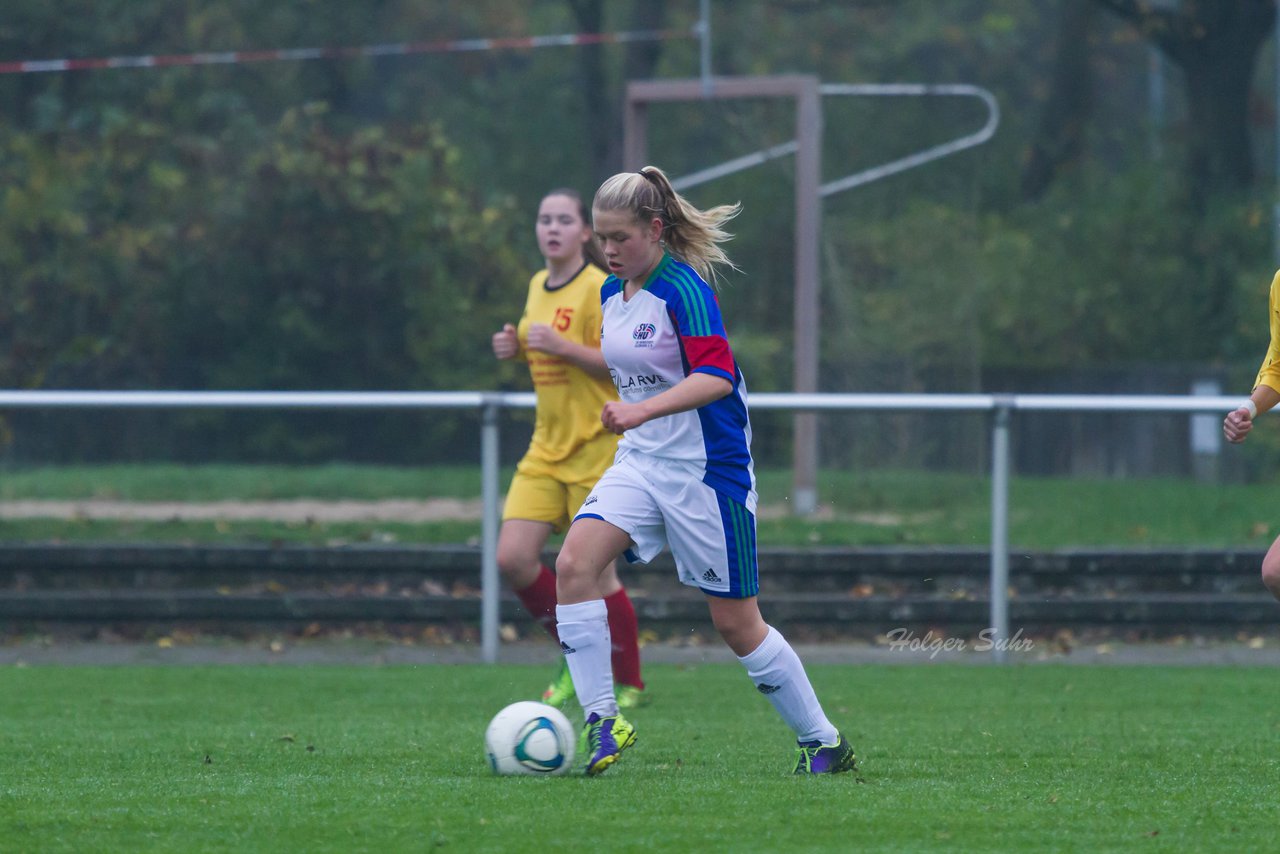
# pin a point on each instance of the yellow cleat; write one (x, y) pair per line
(606, 739)
(561, 690)
(630, 697)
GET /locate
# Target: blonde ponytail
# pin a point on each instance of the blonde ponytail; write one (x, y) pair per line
(692, 235)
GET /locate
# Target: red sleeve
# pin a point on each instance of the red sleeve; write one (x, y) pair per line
(708, 354)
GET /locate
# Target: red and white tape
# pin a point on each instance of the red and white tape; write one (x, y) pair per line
(46, 66)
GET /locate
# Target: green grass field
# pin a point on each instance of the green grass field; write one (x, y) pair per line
(875, 508)
(954, 758)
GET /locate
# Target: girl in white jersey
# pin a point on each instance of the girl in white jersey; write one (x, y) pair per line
(683, 477)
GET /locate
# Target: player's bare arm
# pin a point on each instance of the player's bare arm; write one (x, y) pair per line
(691, 392)
(543, 339)
(1239, 421)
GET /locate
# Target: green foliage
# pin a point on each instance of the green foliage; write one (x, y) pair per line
(363, 223)
(357, 262)
(86, 256)
(287, 256)
(1104, 271)
(1109, 269)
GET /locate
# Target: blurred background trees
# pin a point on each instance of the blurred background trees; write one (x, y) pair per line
(366, 223)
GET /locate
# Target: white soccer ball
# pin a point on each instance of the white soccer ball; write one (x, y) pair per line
(529, 738)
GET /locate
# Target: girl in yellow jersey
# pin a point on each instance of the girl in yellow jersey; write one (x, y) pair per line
(559, 337)
(1266, 394)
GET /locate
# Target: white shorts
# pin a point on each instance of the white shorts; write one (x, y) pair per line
(664, 503)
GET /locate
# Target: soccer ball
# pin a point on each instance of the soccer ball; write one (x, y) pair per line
(529, 738)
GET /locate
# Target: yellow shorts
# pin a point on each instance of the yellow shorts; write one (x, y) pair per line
(540, 498)
(548, 492)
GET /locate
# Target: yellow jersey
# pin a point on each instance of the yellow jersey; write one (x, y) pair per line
(569, 442)
(1269, 373)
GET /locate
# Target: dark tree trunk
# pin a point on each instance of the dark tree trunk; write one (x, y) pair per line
(1216, 44)
(640, 63)
(596, 94)
(1219, 150)
(602, 94)
(1060, 137)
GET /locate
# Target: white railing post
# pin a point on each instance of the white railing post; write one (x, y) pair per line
(490, 589)
(1001, 417)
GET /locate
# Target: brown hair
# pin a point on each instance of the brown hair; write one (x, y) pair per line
(692, 235)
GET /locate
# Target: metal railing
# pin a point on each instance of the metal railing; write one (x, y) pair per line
(490, 405)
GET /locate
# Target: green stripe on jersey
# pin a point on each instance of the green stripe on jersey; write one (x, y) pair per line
(695, 310)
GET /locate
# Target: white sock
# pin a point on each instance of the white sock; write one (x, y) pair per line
(779, 675)
(585, 642)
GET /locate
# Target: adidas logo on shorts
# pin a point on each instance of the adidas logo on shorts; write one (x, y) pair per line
(710, 577)
(565, 648)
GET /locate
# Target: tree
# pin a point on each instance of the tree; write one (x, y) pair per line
(604, 124)
(1216, 44)
(1059, 139)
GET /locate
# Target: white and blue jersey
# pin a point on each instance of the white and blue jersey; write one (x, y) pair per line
(684, 481)
(668, 330)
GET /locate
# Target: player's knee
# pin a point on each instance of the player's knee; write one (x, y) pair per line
(730, 631)
(741, 628)
(569, 567)
(517, 567)
(508, 562)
